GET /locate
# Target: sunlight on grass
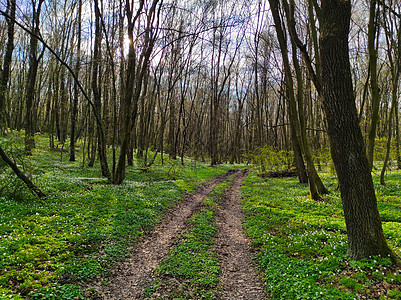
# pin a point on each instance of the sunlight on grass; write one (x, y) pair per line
(85, 225)
(193, 266)
(302, 243)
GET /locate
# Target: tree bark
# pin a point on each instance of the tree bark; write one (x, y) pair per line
(97, 93)
(364, 229)
(395, 69)
(5, 74)
(136, 72)
(291, 103)
(313, 176)
(374, 86)
(21, 175)
(31, 80)
(397, 140)
(74, 110)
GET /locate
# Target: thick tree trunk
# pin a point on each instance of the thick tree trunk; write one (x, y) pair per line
(364, 230)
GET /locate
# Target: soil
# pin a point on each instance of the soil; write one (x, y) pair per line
(239, 279)
(130, 278)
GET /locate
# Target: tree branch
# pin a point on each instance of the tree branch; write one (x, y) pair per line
(289, 10)
(389, 8)
(34, 189)
(59, 59)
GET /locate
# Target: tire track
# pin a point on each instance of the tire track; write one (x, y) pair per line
(130, 278)
(238, 279)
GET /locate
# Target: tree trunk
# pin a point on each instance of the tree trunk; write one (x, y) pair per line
(364, 230)
(21, 175)
(395, 66)
(397, 140)
(389, 134)
(5, 74)
(74, 110)
(134, 81)
(298, 159)
(315, 181)
(292, 110)
(372, 31)
(31, 80)
(97, 94)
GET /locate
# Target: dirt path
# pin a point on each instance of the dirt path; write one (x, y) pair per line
(239, 279)
(132, 276)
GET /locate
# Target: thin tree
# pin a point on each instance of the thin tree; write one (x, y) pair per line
(137, 66)
(96, 89)
(31, 80)
(5, 72)
(74, 110)
(292, 109)
(373, 32)
(394, 56)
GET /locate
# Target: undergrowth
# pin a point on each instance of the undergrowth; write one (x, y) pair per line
(302, 243)
(50, 247)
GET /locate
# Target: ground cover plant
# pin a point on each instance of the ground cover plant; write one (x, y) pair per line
(49, 247)
(192, 269)
(302, 243)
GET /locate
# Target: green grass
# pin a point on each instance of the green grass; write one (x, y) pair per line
(302, 243)
(193, 262)
(49, 247)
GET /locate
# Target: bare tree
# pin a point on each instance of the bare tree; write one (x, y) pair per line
(74, 109)
(31, 80)
(136, 71)
(5, 72)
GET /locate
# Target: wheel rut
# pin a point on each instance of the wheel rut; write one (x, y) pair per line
(131, 277)
(238, 279)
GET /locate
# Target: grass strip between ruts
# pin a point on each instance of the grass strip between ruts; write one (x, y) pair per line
(192, 269)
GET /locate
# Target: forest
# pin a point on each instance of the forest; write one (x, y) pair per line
(201, 149)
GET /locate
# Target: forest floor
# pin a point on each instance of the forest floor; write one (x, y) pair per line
(238, 278)
(182, 232)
